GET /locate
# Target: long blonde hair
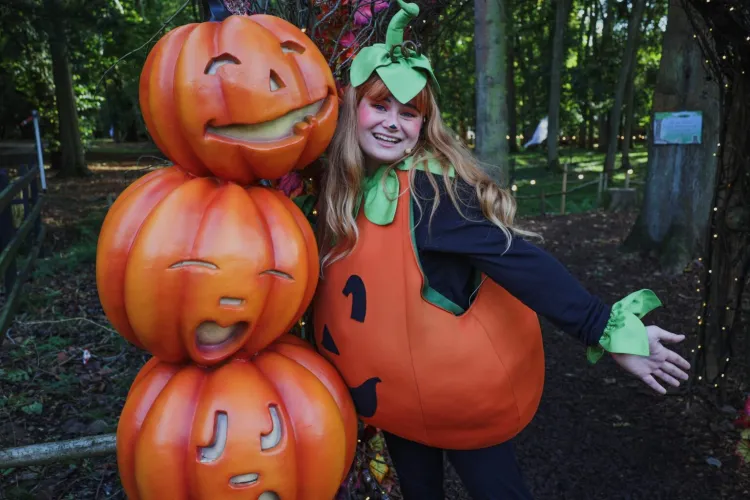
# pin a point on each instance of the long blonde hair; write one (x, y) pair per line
(344, 172)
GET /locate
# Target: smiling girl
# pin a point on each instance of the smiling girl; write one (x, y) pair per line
(429, 295)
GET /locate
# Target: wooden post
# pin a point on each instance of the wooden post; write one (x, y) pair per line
(34, 195)
(599, 189)
(564, 189)
(26, 202)
(627, 178)
(7, 230)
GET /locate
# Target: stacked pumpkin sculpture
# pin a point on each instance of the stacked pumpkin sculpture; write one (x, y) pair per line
(207, 270)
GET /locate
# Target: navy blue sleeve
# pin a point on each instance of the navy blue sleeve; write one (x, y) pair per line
(526, 271)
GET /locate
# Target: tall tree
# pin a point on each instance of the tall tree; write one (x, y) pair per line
(511, 94)
(73, 162)
(678, 192)
(490, 46)
(628, 60)
(605, 51)
(722, 28)
(555, 84)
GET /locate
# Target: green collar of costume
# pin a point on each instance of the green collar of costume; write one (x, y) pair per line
(380, 195)
(403, 70)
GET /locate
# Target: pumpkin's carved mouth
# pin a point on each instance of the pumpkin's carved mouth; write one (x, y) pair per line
(210, 334)
(293, 123)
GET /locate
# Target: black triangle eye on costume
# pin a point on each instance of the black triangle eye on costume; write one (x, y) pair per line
(328, 343)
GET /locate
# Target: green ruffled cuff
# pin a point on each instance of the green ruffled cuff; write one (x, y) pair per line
(625, 333)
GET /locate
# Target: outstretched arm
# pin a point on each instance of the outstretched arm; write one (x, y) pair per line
(542, 283)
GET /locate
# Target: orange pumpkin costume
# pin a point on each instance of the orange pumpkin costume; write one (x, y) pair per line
(414, 368)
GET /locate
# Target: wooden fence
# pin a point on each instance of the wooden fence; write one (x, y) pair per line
(601, 182)
(28, 236)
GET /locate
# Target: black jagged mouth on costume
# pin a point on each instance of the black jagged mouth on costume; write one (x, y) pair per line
(365, 397)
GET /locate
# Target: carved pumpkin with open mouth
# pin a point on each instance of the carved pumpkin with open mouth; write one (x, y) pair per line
(247, 98)
(279, 425)
(199, 268)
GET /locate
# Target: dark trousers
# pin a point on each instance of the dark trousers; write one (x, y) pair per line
(488, 473)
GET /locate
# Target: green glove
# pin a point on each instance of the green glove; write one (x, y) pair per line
(625, 333)
(403, 70)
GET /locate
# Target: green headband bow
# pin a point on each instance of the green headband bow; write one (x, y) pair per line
(403, 70)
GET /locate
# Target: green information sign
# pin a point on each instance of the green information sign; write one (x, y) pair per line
(684, 127)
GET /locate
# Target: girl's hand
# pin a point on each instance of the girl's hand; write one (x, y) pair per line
(662, 363)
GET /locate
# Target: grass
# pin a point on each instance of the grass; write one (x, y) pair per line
(531, 177)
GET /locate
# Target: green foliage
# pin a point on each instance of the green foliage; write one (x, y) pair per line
(103, 31)
(34, 408)
(16, 376)
(98, 34)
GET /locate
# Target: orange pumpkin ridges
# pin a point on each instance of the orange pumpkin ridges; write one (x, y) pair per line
(244, 99)
(198, 268)
(280, 422)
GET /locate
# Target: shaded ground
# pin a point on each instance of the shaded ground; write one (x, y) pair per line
(598, 434)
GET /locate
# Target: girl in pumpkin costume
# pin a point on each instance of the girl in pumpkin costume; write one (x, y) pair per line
(429, 295)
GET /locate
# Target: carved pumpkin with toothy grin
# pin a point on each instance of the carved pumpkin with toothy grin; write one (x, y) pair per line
(247, 98)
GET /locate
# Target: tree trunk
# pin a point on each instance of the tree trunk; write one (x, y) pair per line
(728, 256)
(628, 58)
(511, 86)
(587, 127)
(71, 148)
(629, 118)
(603, 52)
(679, 184)
(529, 98)
(555, 85)
(491, 101)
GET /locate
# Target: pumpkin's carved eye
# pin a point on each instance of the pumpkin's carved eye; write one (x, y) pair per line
(217, 62)
(293, 47)
(278, 274)
(273, 438)
(214, 451)
(276, 81)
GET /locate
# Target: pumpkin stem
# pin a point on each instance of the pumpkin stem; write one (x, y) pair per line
(215, 10)
(395, 34)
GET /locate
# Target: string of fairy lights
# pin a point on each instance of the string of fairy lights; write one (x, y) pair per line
(722, 29)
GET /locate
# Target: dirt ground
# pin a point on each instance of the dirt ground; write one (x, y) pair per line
(598, 433)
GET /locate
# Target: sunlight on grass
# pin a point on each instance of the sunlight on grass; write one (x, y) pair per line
(531, 178)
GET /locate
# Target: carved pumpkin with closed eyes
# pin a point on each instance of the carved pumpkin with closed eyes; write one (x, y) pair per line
(247, 98)
(279, 425)
(198, 268)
